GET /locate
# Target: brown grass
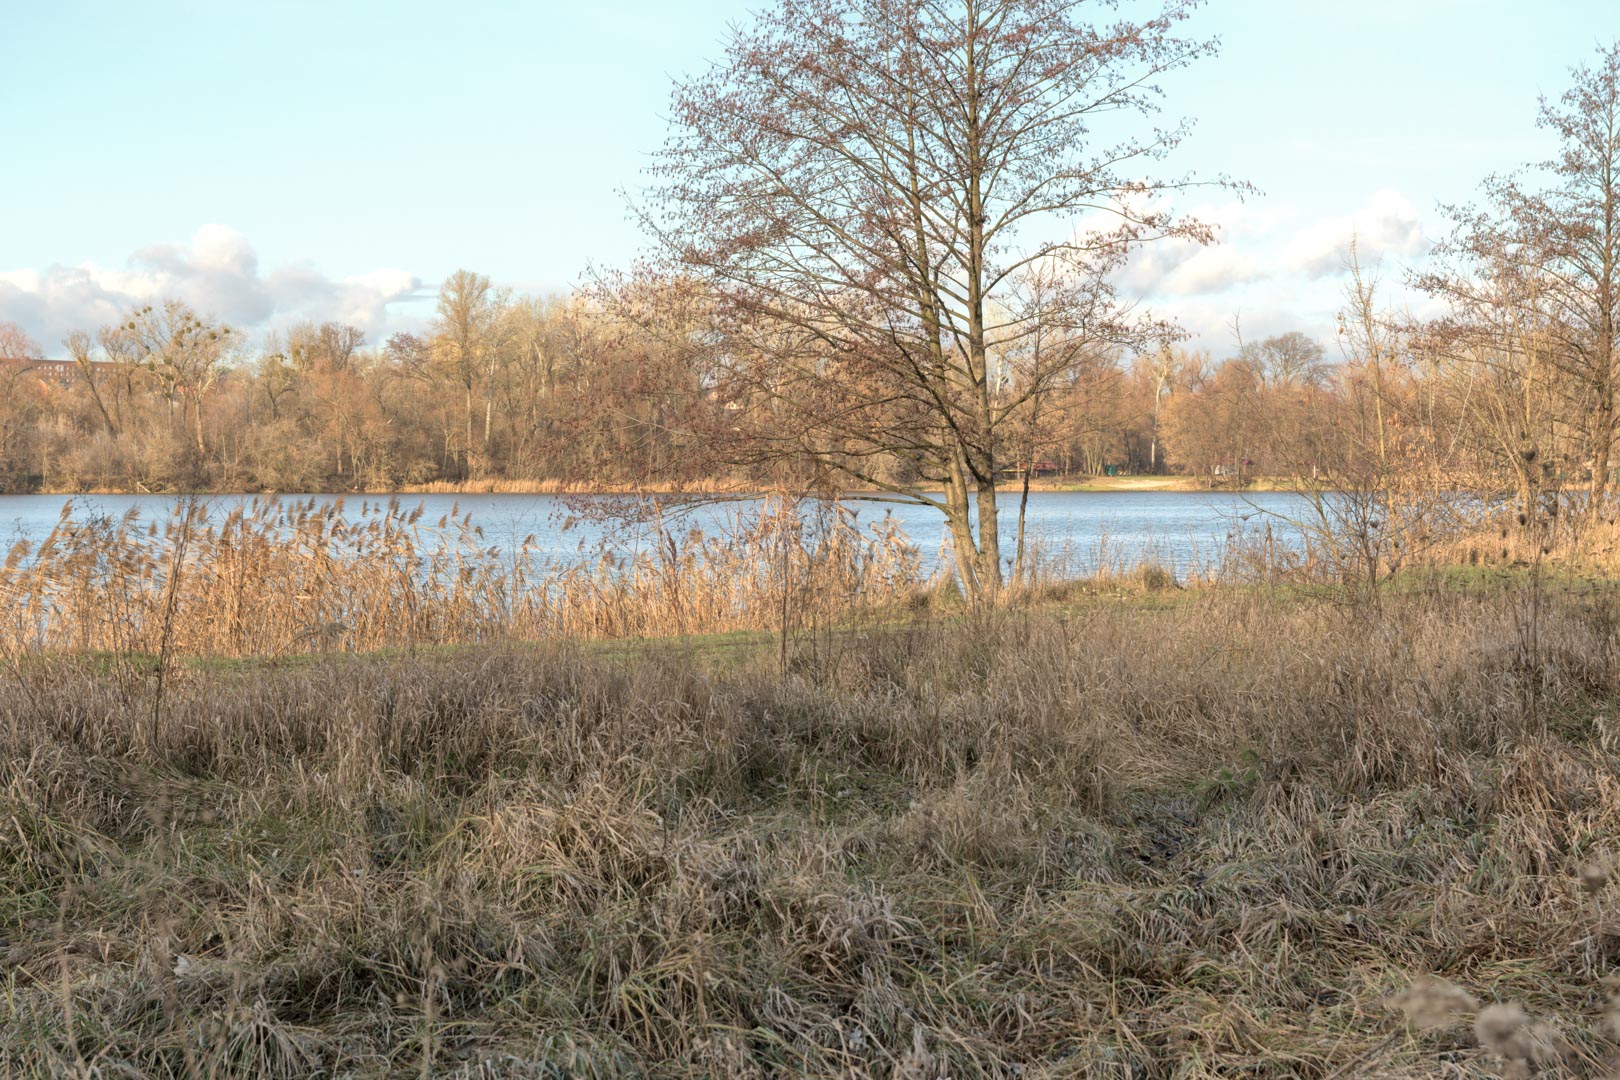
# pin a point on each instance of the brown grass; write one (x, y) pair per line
(278, 578)
(1212, 836)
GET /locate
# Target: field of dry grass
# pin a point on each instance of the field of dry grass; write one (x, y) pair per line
(1228, 832)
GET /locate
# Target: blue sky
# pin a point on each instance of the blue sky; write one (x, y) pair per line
(275, 161)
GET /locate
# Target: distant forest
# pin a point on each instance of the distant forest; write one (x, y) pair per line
(541, 391)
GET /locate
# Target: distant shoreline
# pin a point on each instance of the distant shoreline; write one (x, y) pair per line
(1153, 483)
(1088, 485)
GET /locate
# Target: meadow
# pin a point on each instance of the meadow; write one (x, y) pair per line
(1122, 827)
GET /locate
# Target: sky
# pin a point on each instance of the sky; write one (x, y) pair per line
(337, 159)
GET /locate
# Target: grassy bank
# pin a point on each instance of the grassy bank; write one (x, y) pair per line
(1117, 838)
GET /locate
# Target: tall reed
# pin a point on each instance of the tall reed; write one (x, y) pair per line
(271, 577)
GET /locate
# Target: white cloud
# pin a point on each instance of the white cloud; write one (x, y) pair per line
(1184, 269)
(1273, 267)
(1387, 224)
(217, 272)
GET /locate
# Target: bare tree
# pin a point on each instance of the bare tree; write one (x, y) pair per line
(1577, 221)
(1164, 369)
(1381, 490)
(864, 186)
(1045, 366)
(1530, 278)
(15, 344)
(1541, 261)
(328, 345)
(466, 317)
(18, 407)
(1291, 359)
(1492, 350)
(184, 351)
(82, 349)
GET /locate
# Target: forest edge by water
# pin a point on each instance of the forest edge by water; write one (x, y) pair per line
(498, 486)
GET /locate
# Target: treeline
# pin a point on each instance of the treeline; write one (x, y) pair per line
(564, 391)
(501, 387)
(526, 390)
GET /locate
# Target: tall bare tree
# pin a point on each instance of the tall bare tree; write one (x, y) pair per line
(329, 345)
(1531, 278)
(865, 186)
(1164, 369)
(1511, 406)
(1579, 229)
(466, 319)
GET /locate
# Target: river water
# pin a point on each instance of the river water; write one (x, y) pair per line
(1080, 532)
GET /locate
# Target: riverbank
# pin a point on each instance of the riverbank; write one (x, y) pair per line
(1010, 488)
(1156, 483)
(1203, 838)
(733, 489)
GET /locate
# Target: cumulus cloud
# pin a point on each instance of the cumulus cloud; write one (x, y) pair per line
(1182, 268)
(1274, 266)
(1257, 243)
(218, 273)
(1387, 224)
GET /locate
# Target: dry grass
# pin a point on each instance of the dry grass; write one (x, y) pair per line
(276, 578)
(1212, 837)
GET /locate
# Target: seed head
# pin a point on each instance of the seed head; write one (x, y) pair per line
(1433, 1003)
(1500, 1030)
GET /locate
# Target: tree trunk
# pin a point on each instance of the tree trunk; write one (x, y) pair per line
(989, 542)
(1019, 571)
(1602, 450)
(466, 452)
(958, 517)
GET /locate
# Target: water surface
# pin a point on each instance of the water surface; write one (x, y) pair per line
(1184, 531)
